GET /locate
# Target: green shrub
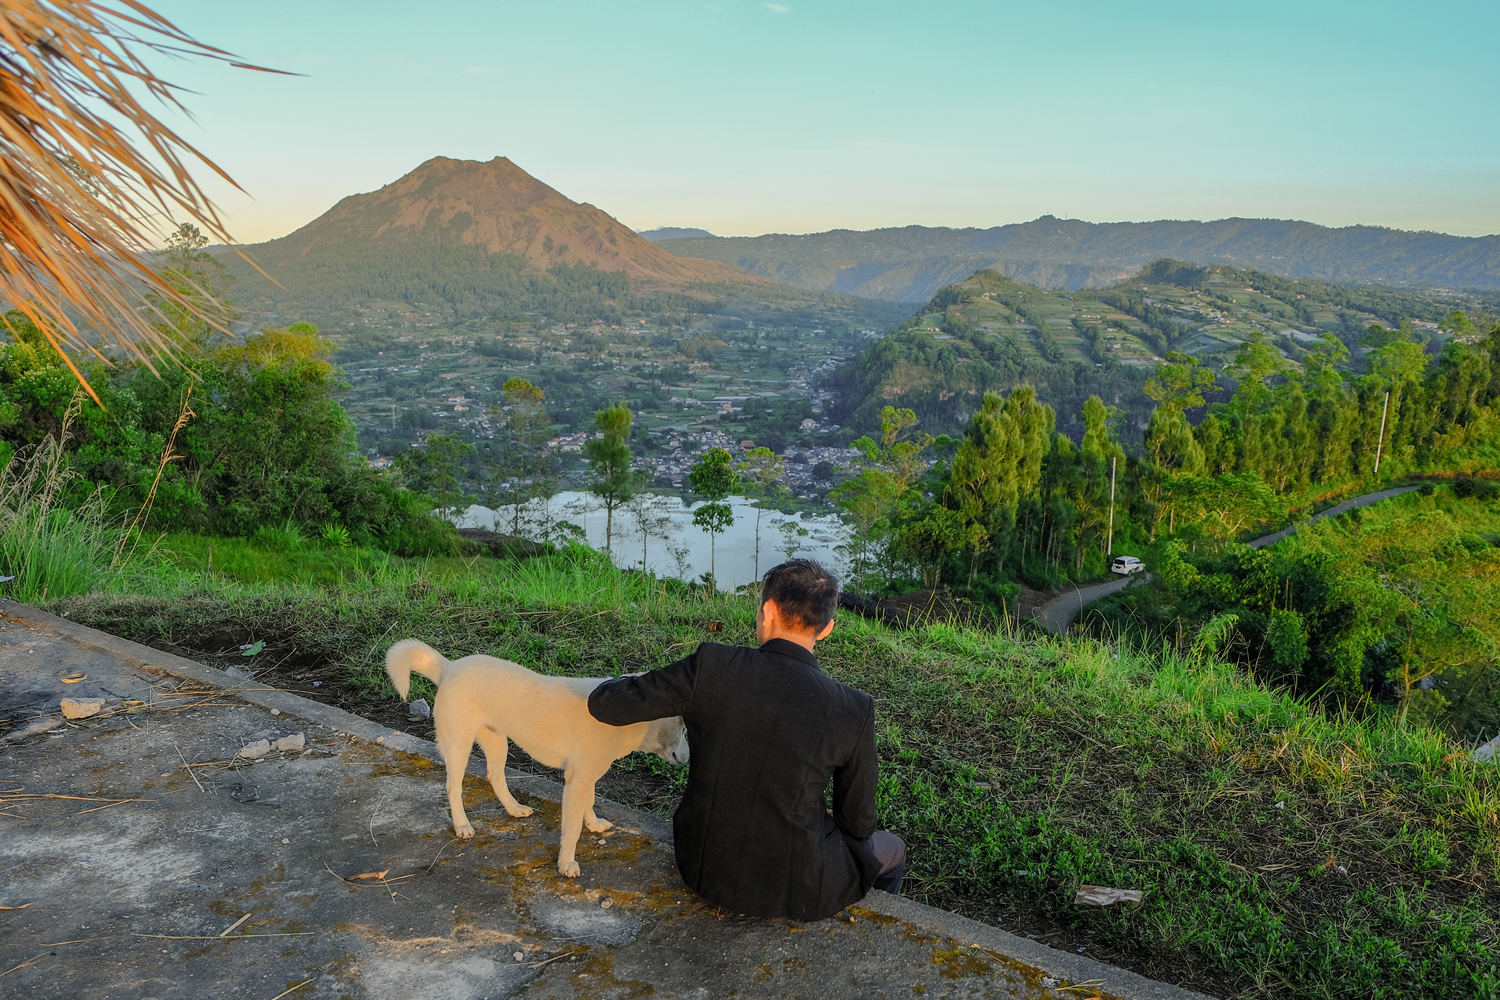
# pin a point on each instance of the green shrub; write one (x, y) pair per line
(336, 535)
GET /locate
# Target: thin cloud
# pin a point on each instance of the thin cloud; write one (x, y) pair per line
(778, 8)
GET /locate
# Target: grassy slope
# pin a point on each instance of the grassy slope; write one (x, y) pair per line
(1016, 767)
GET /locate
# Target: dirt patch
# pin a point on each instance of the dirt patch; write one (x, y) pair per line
(1029, 602)
(920, 607)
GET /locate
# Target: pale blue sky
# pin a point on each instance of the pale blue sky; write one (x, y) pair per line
(749, 117)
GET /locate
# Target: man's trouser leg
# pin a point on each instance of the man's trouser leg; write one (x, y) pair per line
(891, 850)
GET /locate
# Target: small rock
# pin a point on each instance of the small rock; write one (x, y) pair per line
(1486, 751)
(275, 711)
(284, 840)
(257, 749)
(1049, 983)
(1100, 895)
(519, 956)
(81, 708)
(1281, 804)
(296, 741)
(606, 903)
(419, 709)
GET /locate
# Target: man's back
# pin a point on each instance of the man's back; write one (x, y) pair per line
(768, 730)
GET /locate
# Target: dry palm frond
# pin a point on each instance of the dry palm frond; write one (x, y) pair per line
(79, 194)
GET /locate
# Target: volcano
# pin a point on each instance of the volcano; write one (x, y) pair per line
(460, 231)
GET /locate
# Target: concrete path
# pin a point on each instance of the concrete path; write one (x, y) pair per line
(1057, 614)
(139, 858)
(1347, 505)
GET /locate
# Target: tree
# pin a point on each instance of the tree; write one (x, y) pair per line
(1224, 505)
(521, 471)
(1321, 365)
(934, 538)
(203, 309)
(763, 467)
(609, 460)
(650, 521)
(998, 461)
(79, 191)
(870, 500)
(1098, 440)
(713, 479)
(1170, 444)
(1256, 362)
(437, 470)
(1179, 384)
(792, 534)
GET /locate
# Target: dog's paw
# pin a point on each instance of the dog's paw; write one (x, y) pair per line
(599, 826)
(569, 869)
(464, 832)
(519, 812)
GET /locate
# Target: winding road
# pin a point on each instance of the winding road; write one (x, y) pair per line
(1057, 614)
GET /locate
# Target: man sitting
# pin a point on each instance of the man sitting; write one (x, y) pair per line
(768, 731)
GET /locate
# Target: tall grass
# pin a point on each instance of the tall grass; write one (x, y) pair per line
(52, 551)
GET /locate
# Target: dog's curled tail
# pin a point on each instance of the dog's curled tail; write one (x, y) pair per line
(413, 654)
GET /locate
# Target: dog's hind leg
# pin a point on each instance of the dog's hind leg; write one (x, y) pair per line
(496, 748)
(455, 740)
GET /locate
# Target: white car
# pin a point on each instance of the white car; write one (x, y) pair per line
(1126, 565)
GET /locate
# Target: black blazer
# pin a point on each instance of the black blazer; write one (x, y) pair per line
(768, 731)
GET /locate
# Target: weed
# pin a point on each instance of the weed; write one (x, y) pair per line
(52, 550)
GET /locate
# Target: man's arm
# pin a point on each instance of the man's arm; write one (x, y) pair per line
(656, 694)
(854, 785)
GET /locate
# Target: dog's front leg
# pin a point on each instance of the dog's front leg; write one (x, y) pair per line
(578, 793)
(591, 820)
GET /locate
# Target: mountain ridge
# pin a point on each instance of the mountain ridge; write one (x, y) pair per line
(908, 263)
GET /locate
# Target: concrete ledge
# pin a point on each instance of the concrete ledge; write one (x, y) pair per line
(1060, 965)
(1063, 966)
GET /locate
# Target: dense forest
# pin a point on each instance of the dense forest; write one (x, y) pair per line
(1014, 498)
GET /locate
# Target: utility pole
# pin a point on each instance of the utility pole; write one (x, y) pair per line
(1110, 544)
(1379, 444)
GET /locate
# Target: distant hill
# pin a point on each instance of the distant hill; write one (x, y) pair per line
(991, 333)
(661, 233)
(910, 263)
(459, 235)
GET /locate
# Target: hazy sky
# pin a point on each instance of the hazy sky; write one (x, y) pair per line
(750, 117)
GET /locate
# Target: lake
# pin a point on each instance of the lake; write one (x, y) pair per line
(734, 550)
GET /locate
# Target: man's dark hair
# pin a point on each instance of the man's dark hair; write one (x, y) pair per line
(804, 591)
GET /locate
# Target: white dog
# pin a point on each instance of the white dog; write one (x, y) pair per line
(492, 700)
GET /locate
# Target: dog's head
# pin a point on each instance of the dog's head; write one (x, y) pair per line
(667, 738)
